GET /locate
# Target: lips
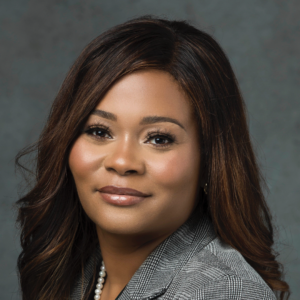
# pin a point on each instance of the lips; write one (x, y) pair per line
(110, 189)
(122, 196)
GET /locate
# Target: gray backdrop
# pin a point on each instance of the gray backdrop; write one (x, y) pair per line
(39, 40)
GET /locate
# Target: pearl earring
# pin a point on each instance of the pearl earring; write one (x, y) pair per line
(205, 188)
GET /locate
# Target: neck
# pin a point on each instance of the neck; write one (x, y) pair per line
(123, 256)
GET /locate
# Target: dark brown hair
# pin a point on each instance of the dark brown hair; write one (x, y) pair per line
(57, 236)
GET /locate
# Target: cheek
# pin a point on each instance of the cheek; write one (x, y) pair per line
(83, 160)
(177, 170)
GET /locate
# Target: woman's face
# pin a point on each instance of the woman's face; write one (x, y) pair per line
(122, 145)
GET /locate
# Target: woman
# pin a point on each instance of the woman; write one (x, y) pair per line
(145, 169)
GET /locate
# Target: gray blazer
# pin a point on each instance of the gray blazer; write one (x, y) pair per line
(192, 263)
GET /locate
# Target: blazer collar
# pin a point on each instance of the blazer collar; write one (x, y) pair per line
(158, 270)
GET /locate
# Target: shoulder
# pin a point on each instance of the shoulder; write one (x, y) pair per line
(218, 271)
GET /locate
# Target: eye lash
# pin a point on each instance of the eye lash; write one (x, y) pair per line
(161, 133)
(97, 125)
(165, 134)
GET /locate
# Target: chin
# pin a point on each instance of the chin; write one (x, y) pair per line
(124, 224)
(126, 229)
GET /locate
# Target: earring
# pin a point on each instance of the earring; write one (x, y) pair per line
(205, 188)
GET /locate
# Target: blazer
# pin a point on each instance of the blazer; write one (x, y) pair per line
(193, 263)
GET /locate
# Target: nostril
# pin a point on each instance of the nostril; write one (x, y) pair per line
(130, 171)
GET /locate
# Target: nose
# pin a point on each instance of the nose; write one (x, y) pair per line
(124, 159)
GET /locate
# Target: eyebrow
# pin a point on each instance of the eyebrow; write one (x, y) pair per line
(145, 121)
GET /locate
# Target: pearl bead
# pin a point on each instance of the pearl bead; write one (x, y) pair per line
(99, 286)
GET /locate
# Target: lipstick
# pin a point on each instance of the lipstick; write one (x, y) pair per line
(122, 196)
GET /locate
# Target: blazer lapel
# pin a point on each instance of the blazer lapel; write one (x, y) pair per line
(158, 270)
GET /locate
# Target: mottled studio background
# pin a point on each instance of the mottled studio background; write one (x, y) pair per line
(40, 39)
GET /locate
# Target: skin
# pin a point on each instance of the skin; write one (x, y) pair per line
(123, 156)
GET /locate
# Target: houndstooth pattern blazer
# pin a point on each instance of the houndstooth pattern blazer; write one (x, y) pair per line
(192, 264)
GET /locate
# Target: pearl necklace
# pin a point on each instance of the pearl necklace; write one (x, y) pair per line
(100, 283)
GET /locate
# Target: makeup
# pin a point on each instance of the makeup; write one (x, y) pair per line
(122, 196)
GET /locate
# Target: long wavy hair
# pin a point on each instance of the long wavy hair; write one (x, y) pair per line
(57, 237)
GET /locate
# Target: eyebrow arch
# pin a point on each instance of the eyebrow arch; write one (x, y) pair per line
(145, 121)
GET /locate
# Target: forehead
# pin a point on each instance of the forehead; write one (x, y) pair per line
(144, 93)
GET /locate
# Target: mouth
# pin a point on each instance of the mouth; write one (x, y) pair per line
(122, 196)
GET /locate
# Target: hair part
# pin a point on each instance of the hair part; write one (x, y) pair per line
(57, 236)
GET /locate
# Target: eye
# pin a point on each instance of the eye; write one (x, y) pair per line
(98, 131)
(160, 139)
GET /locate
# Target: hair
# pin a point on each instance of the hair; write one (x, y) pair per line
(57, 236)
